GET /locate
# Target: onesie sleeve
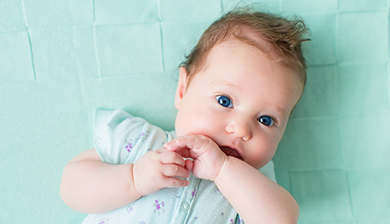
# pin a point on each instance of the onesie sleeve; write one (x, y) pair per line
(122, 138)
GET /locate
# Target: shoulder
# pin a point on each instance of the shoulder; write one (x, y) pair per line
(122, 138)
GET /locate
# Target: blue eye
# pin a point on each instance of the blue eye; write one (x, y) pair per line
(266, 120)
(224, 101)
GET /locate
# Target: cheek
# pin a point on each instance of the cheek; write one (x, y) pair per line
(195, 121)
(264, 149)
(181, 124)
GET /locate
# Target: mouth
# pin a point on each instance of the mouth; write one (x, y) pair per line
(231, 152)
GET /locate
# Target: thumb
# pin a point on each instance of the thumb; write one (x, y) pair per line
(188, 165)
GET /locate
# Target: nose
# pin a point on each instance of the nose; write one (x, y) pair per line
(240, 128)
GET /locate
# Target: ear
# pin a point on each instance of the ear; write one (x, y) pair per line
(181, 86)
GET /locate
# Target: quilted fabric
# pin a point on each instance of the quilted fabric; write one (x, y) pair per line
(60, 60)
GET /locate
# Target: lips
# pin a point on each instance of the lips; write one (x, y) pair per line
(231, 152)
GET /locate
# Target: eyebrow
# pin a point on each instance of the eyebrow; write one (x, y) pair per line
(225, 83)
(280, 111)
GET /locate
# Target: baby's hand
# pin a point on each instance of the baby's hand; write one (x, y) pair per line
(208, 158)
(159, 169)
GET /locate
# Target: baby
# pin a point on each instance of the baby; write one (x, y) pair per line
(234, 97)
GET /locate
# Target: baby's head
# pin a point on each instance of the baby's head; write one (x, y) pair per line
(241, 82)
(276, 36)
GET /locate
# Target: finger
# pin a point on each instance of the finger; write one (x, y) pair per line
(184, 152)
(193, 141)
(179, 144)
(175, 171)
(171, 158)
(175, 182)
(188, 165)
(171, 146)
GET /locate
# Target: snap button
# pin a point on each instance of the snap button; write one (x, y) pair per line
(185, 206)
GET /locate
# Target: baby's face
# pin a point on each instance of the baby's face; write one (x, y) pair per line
(241, 99)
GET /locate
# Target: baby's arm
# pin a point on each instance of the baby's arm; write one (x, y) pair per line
(92, 186)
(255, 197)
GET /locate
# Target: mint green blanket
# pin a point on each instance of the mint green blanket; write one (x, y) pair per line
(60, 60)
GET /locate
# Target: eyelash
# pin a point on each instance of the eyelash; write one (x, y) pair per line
(225, 101)
(270, 122)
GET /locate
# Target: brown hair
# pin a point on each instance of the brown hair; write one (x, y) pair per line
(281, 35)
